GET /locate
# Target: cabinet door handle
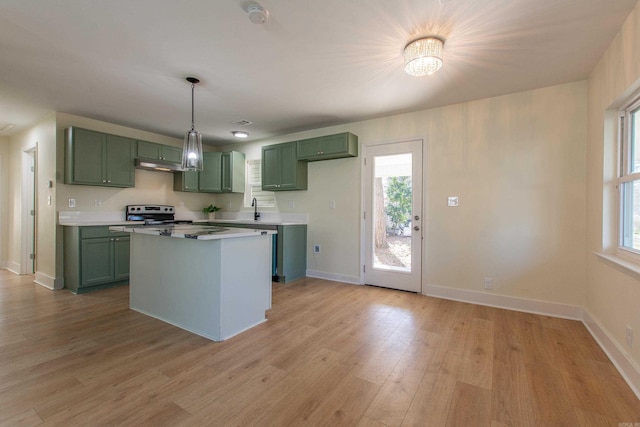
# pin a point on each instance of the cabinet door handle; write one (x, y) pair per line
(104, 180)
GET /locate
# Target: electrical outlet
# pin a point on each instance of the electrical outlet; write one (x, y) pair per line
(453, 201)
(488, 283)
(292, 204)
(72, 203)
(316, 249)
(629, 336)
(332, 204)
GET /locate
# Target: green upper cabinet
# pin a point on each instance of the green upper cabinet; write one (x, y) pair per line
(222, 173)
(96, 158)
(328, 147)
(233, 172)
(281, 169)
(210, 179)
(151, 150)
(186, 181)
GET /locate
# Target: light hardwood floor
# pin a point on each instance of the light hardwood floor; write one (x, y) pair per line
(330, 354)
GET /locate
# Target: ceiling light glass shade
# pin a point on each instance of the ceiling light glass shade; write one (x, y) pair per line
(192, 147)
(192, 151)
(423, 57)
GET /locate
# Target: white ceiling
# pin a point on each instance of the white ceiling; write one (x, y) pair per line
(313, 64)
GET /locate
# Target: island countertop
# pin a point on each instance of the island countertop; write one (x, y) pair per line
(187, 231)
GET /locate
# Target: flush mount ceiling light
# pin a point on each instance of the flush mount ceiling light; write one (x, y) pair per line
(7, 127)
(257, 13)
(192, 148)
(423, 57)
(240, 133)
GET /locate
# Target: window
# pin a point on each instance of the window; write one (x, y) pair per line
(253, 188)
(629, 177)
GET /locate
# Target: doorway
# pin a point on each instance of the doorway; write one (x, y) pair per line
(393, 215)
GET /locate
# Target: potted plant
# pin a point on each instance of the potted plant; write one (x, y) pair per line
(211, 211)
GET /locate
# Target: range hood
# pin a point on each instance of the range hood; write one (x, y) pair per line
(158, 165)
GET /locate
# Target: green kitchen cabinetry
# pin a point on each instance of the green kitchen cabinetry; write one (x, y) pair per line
(328, 147)
(186, 181)
(281, 169)
(96, 158)
(222, 173)
(94, 258)
(210, 178)
(233, 172)
(154, 151)
(289, 248)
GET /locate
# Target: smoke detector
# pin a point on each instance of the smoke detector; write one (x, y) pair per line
(257, 13)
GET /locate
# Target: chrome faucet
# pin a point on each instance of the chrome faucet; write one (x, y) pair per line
(256, 214)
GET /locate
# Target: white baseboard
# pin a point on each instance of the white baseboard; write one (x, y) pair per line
(620, 358)
(46, 281)
(13, 267)
(334, 277)
(565, 311)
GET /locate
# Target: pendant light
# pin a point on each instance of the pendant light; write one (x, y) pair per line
(192, 148)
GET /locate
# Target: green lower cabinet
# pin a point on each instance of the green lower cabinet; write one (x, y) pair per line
(121, 252)
(95, 258)
(290, 248)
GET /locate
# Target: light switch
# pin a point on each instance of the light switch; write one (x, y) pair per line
(452, 201)
(72, 203)
(332, 204)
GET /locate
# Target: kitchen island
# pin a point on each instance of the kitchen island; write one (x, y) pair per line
(212, 281)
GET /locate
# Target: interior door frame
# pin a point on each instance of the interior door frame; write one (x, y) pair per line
(28, 221)
(363, 189)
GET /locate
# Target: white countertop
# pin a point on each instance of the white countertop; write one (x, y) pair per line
(196, 232)
(89, 218)
(248, 222)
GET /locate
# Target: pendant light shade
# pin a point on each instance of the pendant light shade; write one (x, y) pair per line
(423, 57)
(192, 148)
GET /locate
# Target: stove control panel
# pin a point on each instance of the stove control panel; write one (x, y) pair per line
(150, 209)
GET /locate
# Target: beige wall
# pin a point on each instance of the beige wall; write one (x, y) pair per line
(612, 297)
(41, 136)
(4, 199)
(518, 164)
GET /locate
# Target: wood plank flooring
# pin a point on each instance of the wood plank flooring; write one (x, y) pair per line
(330, 354)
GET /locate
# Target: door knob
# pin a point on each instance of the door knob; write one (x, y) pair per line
(416, 228)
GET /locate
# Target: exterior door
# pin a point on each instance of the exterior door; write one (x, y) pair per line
(393, 216)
